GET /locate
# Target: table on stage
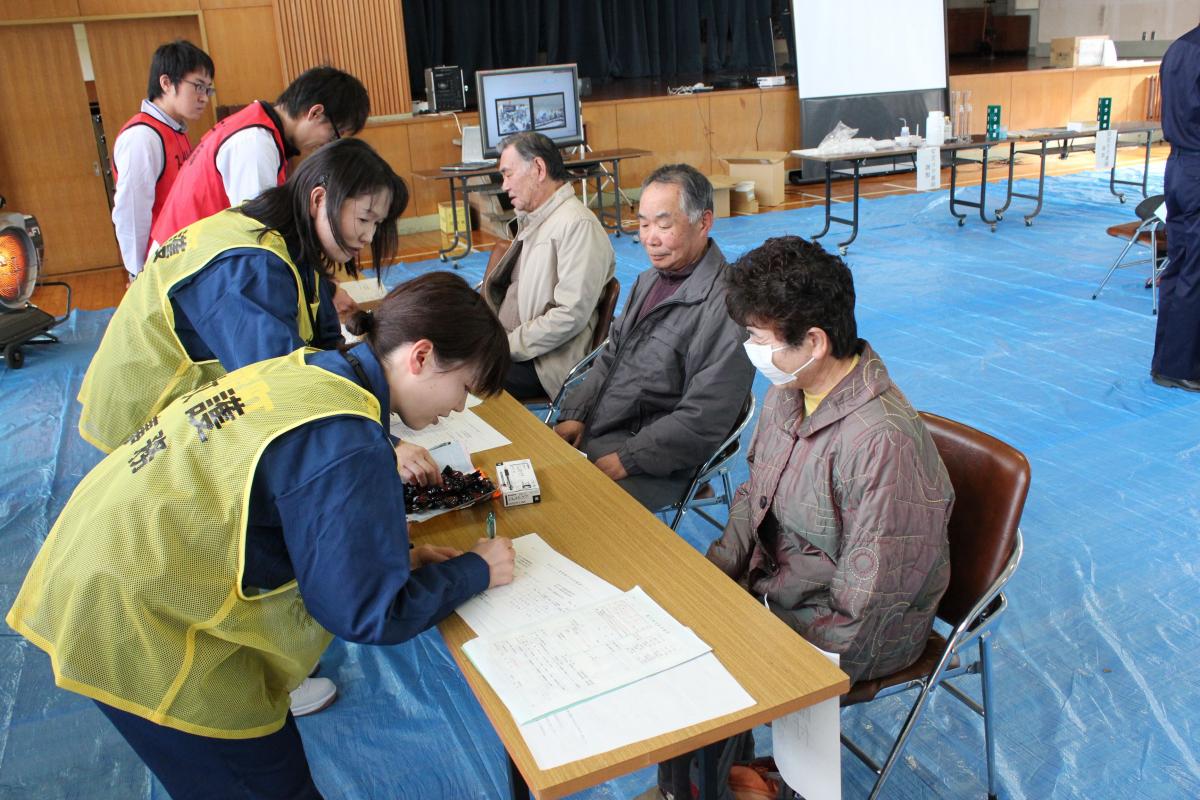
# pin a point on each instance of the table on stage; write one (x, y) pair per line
(589, 519)
(587, 167)
(1044, 141)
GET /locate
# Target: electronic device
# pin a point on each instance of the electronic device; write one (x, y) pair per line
(444, 89)
(543, 99)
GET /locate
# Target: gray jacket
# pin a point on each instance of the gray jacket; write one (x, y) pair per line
(667, 390)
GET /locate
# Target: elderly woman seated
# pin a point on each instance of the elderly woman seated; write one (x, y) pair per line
(841, 529)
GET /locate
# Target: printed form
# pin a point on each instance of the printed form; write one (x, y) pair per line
(547, 584)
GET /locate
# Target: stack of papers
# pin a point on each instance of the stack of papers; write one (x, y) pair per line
(585, 668)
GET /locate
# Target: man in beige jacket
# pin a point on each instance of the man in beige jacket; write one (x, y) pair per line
(546, 287)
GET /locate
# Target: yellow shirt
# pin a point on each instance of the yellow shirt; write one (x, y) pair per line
(811, 401)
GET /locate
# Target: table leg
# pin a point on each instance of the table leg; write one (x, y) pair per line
(842, 246)
(616, 179)
(991, 223)
(962, 218)
(1012, 158)
(517, 788)
(446, 252)
(1146, 165)
(828, 199)
(1041, 190)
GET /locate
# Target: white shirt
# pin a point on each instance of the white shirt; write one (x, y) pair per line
(248, 162)
(138, 160)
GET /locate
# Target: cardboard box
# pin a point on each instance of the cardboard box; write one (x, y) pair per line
(518, 485)
(1077, 51)
(721, 185)
(765, 168)
(446, 217)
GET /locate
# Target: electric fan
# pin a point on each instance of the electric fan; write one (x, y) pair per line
(21, 322)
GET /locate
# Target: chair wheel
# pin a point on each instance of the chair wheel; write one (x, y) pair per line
(1121, 197)
(1028, 223)
(993, 227)
(441, 258)
(999, 215)
(13, 356)
(962, 222)
(843, 250)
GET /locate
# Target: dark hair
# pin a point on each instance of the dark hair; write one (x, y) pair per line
(695, 190)
(344, 97)
(531, 145)
(347, 168)
(175, 60)
(443, 308)
(788, 285)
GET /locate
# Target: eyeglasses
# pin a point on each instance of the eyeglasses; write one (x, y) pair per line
(332, 127)
(203, 88)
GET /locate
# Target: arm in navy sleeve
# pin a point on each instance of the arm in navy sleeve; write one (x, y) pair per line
(328, 335)
(240, 309)
(344, 525)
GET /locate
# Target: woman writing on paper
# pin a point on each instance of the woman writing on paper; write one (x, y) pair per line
(198, 572)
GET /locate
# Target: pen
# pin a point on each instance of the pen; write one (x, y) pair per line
(491, 525)
(437, 446)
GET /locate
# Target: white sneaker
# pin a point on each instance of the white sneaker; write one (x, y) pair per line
(314, 695)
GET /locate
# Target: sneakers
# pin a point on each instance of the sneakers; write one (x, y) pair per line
(313, 695)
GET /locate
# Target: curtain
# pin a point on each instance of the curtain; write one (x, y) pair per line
(667, 39)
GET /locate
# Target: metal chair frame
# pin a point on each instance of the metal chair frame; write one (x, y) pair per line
(717, 465)
(978, 626)
(1151, 225)
(576, 374)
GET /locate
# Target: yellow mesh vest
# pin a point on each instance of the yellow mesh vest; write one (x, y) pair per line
(137, 592)
(141, 365)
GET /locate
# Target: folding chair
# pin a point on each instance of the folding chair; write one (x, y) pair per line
(1147, 230)
(716, 466)
(991, 480)
(605, 310)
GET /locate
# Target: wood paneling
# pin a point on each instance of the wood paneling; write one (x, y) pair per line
(986, 89)
(106, 8)
(362, 37)
(672, 128)
(1040, 99)
(241, 42)
(754, 120)
(121, 53)
(600, 123)
(49, 164)
(392, 142)
(1091, 85)
(38, 9)
(213, 4)
(431, 144)
(1139, 89)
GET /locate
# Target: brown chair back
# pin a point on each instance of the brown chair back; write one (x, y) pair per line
(991, 480)
(607, 308)
(498, 250)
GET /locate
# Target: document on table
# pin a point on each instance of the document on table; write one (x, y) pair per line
(461, 426)
(545, 584)
(573, 657)
(364, 290)
(807, 745)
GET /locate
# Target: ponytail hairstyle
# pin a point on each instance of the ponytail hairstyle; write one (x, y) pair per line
(346, 168)
(443, 308)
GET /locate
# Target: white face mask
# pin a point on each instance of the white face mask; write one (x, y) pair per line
(760, 357)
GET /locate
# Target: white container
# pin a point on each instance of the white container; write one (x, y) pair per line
(935, 133)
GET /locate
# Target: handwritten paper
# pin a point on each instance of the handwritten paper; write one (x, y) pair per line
(573, 657)
(460, 426)
(807, 746)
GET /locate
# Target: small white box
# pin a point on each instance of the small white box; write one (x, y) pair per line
(518, 484)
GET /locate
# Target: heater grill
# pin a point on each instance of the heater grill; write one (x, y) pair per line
(21, 322)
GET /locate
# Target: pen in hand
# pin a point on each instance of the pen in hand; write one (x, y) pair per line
(491, 525)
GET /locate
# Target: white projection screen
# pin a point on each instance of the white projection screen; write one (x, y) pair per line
(857, 47)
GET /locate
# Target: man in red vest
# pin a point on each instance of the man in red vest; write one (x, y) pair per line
(153, 144)
(248, 151)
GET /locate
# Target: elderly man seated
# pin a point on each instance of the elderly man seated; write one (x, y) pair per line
(667, 389)
(546, 287)
(841, 528)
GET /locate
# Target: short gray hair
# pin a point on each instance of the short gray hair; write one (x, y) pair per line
(695, 191)
(530, 145)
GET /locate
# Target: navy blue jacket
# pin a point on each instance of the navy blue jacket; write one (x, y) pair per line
(327, 508)
(1180, 74)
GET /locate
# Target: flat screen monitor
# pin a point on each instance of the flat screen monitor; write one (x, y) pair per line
(542, 99)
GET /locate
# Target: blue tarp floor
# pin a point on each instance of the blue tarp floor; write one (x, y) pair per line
(1096, 663)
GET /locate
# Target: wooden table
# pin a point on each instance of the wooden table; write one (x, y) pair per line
(589, 519)
(585, 167)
